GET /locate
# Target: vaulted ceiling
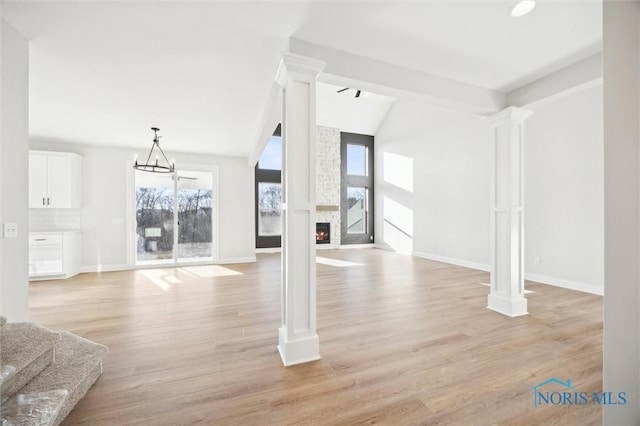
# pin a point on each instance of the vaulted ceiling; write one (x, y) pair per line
(104, 72)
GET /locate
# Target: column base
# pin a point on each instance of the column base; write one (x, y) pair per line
(508, 307)
(298, 351)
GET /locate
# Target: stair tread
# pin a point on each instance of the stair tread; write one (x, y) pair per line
(25, 349)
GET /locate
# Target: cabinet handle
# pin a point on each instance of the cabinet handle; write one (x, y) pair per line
(41, 239)
(48, 201)
(43, 203)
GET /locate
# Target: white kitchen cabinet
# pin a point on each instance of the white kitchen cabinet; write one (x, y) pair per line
(54, 180)
(54, 254)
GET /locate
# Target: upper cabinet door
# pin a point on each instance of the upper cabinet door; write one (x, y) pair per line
(54, 180)
(37, 181)
(60, 177)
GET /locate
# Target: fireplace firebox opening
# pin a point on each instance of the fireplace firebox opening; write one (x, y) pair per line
(323, 233)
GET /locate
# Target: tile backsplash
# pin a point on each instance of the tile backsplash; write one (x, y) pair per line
(43, 220)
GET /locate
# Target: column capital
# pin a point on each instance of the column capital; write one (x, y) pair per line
(508, 115)
(297, 64)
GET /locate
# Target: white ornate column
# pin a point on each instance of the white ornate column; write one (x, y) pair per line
(298, 341)
(507, 212)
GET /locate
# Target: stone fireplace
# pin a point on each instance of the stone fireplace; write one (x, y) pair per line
(328, 183)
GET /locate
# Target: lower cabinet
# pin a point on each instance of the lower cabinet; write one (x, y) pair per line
(54, 254)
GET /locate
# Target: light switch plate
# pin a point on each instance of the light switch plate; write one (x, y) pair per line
(10, 230)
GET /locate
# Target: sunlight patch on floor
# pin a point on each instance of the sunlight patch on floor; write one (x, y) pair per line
(165, 278)
(210, 271)
(161, 278)
(336, 262)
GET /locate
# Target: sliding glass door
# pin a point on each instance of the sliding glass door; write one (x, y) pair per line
(154, 218)
(195, 219)
(174, 217)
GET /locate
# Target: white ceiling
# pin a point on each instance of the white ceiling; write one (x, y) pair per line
(344, 111)
(105, 72)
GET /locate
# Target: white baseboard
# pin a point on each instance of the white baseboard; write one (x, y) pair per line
(228, 260)
(384, 246)
(542, 279)
(269, 250)
(356, 246)
(453, 261)
(104, 268)
(559, 282)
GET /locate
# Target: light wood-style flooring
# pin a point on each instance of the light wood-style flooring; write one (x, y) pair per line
(403, 341)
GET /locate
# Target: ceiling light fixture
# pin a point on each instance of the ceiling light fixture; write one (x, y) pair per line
(522, 8)
(156, 167)
(358, 92)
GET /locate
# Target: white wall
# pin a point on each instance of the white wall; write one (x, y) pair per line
(104, 211)
(564, 192)
(432, 184)
(621, 365)
(14, 145)
(432, 188)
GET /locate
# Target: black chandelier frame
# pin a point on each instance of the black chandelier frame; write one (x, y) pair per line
(155, 167)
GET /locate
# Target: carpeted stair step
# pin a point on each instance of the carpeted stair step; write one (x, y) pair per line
(50, 397)
(26, 349)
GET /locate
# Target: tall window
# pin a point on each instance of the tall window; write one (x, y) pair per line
(269, 194)
(356, 198)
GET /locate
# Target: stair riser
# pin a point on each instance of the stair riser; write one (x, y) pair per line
(78, 393)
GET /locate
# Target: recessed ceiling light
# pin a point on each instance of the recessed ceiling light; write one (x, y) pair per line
(522, 8)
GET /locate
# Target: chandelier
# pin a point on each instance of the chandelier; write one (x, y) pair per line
(155, 167)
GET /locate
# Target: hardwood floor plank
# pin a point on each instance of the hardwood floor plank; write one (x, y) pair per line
(403, 341)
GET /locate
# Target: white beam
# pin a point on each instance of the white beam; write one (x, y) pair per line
(392, 80)
(574, 78)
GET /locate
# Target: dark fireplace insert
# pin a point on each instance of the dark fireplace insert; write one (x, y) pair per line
(323, 233)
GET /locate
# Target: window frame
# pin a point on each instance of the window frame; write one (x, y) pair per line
(266, 176)
(358, 181)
